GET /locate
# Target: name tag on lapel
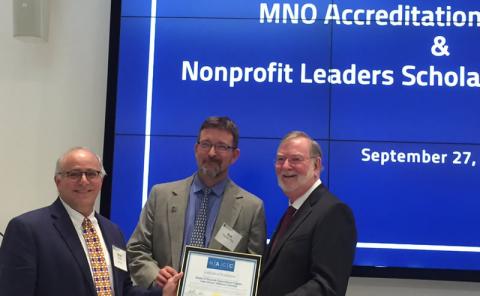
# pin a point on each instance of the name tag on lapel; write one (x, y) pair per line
(228, 237)
(119, 258)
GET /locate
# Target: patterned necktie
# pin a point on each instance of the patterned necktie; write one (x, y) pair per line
(101, 277)
(286, 221)
(198, 235)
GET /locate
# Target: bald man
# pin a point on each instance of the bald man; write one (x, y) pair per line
(67, 248)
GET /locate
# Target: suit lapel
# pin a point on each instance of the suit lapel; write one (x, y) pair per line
(228, 213)
(61, 221)
(106, 234)
(300, 217)
(177, 205)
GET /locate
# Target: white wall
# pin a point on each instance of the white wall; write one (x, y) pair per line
(52, 97)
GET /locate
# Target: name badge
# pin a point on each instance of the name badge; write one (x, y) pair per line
(228, 237)
(119, 258)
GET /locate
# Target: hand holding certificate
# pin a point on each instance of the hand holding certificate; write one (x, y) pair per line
(218, 273)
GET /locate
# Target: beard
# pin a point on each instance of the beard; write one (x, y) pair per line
(210, 168)
(301, 180)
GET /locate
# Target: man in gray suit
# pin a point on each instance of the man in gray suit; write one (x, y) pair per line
(197, 210)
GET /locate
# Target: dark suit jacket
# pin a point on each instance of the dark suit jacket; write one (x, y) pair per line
(315, 255)
(41, 254)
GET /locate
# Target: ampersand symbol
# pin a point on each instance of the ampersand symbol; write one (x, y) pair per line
(439, 47)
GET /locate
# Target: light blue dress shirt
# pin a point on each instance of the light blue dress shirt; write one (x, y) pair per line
(214, 201)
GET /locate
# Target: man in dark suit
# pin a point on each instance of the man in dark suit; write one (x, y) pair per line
(66, 248)
(312, 250)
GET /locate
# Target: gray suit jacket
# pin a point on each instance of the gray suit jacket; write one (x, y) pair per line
(158, 238)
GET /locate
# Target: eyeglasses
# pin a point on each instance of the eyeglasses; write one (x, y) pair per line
(77, 175)
(219, 147)
(293, 160)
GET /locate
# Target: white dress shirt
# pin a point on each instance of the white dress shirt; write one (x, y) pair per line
(77, 220)
(299, 201)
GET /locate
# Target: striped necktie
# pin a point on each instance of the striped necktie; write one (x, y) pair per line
(198, 234)
(101, 277)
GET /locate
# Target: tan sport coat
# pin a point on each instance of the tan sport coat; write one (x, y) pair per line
(158, 238)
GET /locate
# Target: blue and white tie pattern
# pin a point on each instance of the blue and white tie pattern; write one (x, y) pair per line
(198, 234)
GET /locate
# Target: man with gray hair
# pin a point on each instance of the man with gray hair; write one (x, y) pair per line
(312, 249)
(67, 248)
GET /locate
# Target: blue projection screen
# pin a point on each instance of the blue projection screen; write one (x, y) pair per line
(390, 89)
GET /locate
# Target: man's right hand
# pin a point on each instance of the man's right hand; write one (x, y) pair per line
(164, 274)
(171, 287)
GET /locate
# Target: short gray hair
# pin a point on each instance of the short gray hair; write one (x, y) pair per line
(315, 149)
(58, 166)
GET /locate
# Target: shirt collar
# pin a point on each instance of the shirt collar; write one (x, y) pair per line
(299, 201)
(76, 216)
(218, 189)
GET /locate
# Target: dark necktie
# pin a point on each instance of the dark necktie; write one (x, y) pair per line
(286, 221)
(198, 234)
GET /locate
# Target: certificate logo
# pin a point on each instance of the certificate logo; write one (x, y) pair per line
(221, 264)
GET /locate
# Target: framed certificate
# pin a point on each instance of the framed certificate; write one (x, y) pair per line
(208, 272)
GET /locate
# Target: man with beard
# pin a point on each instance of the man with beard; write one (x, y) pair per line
(194, 210)
(312, 250)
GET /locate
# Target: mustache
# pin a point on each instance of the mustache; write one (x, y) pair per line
(213, 160)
